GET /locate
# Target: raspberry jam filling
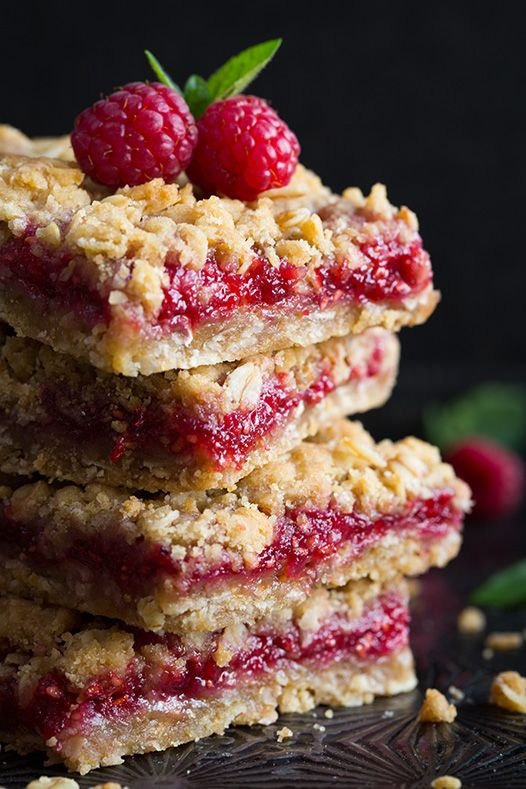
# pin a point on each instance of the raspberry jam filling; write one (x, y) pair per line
(394, 269)
(39, 274)
(155, 429)
(305, 540)
(57, 708)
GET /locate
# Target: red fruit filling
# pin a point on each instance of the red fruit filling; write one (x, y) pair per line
(154, 430)
(394, 270)
(56, 708)
(304, 541)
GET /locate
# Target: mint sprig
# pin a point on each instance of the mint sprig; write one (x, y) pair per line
(504, 589)
(239, 71)
(494, 410)
(160, 73)
(230, 79)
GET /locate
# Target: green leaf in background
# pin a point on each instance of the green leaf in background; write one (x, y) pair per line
(497, 411)
(159, 72)
(505, 588)
(197, 95)
(239, 71)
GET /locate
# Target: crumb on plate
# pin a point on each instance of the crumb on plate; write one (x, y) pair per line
(503, 641)
(471, 620)
(508, 690)
(284, 733)
(436, 708)
(456, 693)
(446, 782)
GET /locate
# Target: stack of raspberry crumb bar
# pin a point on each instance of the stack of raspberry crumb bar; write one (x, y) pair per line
(193, 534)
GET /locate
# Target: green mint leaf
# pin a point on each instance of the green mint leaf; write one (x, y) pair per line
(238, 72)
(496, 411)
(159, 72)
(505, 588)
(197, 95)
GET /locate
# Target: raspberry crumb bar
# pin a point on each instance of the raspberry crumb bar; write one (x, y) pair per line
(90, 691)
(334, 509)
(150, 278)
(203, 428)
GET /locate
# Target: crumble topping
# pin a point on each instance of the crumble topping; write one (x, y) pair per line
(142, 226)
(508, 690)
(13, 141)
(436, 708)
(471, 620)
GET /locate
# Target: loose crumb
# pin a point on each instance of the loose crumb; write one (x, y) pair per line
(503, 641)
(318, 727)
(446, 782)
(284, 734)
(456, 693)
(436, 708)
(329, 714)
(487, 653)
(388, 714)
(55, 782)
(471, 620)
(508, 690)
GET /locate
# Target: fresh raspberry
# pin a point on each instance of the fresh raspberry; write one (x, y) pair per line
(495, 475)
(140, 132)
(244, 148)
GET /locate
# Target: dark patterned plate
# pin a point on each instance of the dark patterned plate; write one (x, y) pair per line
(376, 746)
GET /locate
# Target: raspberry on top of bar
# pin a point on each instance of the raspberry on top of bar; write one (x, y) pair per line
(91, 691)
(336, 508)
(152, 277)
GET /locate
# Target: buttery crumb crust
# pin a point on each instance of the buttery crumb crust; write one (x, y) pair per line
(436, 708)
(89, 649)
(341, 467)
(31, 373)
(120, 243)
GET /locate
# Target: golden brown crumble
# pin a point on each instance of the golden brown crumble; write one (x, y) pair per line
(503, 641)
(146, 222)
(284, 734)
(508, 690)
(471, 620)
(436, 708)
(13, 141)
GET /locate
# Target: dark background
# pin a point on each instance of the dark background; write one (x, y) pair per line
(428, 98)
